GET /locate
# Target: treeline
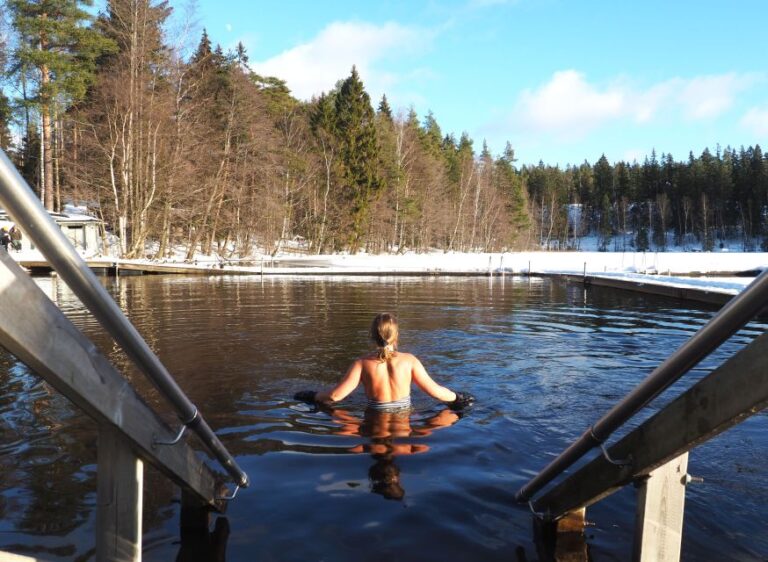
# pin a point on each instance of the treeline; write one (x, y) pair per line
(201, 152)
(206, 154)
(709, 202)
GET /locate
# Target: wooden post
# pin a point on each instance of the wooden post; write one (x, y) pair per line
(120, 483)
(195, 515)
(571, 544)
(660, 506)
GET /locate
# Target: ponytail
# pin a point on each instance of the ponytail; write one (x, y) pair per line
(384, 333)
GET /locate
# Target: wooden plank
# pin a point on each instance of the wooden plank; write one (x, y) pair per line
(120, 484)
(573, 522)
(172, 268)
(52, 347)
(727, 396)
(660, 508)
(571, 544)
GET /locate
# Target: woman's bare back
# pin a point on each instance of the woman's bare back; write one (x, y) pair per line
(387, 381)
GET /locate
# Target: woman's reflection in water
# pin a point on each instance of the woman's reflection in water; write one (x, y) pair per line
(383, 428)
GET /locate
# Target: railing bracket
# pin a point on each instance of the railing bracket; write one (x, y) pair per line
(156, 441)
(229, 498)
(616, 462)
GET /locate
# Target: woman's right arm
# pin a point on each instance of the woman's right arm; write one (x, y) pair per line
(345, 387)
(428, 385)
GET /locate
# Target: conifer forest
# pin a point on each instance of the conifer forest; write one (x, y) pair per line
(187, 147)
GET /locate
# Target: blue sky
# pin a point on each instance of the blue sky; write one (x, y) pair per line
(563, 80)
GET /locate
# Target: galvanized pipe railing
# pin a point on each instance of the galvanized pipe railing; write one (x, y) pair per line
(731, 318)
(27, 211)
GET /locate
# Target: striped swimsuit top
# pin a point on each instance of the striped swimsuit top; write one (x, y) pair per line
(400, 404)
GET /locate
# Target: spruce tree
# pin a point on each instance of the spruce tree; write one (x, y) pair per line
(359, 149)
(203, 51)
(511, 185)
(384, 109)
(432, 136)
(603, 194)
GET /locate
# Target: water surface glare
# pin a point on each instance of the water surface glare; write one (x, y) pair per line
(544, 359)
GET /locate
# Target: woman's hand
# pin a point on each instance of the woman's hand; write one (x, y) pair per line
(463, 400)
(307, 396)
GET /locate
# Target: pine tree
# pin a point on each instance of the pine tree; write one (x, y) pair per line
(56, 41)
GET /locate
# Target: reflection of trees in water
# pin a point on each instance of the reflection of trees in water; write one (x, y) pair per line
(48, 469)
(47, 452)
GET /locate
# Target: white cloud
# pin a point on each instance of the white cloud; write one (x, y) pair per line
(228, 27)
(313, 67)
(568, 103)
(568, 106)
(705, 97)
(756, 120)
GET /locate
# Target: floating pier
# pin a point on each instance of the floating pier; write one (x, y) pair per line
(674, 287)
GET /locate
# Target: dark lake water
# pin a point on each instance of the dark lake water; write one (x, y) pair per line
(544, 360)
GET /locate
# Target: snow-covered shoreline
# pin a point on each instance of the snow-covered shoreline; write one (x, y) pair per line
(702, 271)
(670, 263)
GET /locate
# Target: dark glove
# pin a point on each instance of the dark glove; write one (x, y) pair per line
(463, 400)
(307, 396)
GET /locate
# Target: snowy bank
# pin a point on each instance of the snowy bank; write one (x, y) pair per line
(670, 263)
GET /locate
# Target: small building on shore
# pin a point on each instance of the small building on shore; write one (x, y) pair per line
(83, 231)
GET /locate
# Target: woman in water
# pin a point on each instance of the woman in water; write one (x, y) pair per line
(387, 375)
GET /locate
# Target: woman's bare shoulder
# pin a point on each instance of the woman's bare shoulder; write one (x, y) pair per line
(405, 356)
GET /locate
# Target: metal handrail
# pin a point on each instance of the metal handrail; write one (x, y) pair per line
(731, 318)
(27, 211)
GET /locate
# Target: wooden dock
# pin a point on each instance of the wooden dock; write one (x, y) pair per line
(125, 267)
(270, 268)
(652, 285)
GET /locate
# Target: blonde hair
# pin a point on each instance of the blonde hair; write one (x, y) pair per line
(384, 333)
